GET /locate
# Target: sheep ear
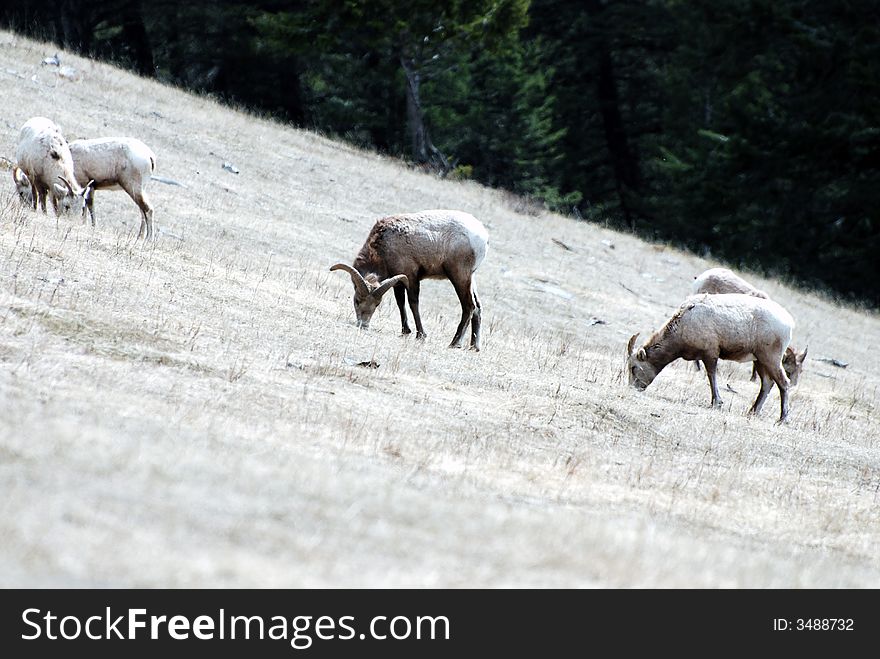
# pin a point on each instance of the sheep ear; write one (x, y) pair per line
(88, 190)
(631, 344)
(641, 355)
(360, 286)
(20, 177)
(388, 283)
(801, 357)
(60, 190)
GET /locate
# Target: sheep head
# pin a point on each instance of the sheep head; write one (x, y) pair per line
(23, 186)
(69, 200)
(641, 371)
(793, 363)
(367, 293)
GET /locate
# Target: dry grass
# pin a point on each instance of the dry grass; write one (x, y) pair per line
(189, 412)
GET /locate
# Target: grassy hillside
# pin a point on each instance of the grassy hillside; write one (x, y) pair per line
(190, 412)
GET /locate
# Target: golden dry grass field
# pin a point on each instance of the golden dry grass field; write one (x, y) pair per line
(190, 412)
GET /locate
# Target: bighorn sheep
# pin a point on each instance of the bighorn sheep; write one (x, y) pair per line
(44, 159)
(737, 327)
(116, 163)
(721, 280)
(401, 250)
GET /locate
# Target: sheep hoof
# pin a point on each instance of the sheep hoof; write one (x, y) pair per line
(717, 403)
(421, 336)
(405, 331)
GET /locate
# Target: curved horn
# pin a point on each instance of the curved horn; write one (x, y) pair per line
(359, 284)
(67, 183)
(388, 283)
(631, 344)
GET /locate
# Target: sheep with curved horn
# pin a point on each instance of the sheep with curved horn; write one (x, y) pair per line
(718, 281)
(44, 157)
(401, 250)
(707, 327)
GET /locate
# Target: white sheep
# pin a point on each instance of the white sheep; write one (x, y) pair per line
(116, 163)
(44, 159)
(721, 280)
(736, 327)
(401, 250)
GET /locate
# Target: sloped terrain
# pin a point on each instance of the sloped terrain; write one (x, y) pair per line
(190, 412)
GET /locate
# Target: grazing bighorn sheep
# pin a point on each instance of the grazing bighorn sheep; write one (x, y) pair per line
(401, 250)
(737, 327)
(721, 280)
(44, 159)
(116, 163)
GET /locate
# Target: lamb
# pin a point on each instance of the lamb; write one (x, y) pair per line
(721, 280)
(44, 158)
(401, 250)
(736, 327)
(116, 163)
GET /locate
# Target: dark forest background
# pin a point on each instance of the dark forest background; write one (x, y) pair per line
(748, 129)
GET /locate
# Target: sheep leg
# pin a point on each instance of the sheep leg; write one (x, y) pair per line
(144, 228)
(35, 195)
(400, 296)
(41, 193)
(476, 322)
(711, 365)
(413, 294)
(90, 205)
(754, 371)
(466, 297)
(773, 373)
(782, 383)
(140, 198)
(766, 385)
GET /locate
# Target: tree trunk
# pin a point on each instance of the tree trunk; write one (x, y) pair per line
(626, 168)
(423, 149)
(76, 26)
(135, 35)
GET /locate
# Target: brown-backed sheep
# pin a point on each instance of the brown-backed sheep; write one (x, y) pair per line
(401, 250)
(736, 327)
(721, 280)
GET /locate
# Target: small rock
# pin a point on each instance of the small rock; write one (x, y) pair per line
(70, 73)
(229, 167)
